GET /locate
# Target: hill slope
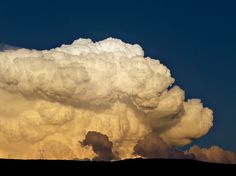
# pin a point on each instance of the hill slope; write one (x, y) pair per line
(125, 167)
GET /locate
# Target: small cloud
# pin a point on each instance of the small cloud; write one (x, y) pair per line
(100, 144)
(213, 154)
(152, 146)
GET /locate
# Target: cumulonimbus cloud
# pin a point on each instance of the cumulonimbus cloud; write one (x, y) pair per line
(59, 95)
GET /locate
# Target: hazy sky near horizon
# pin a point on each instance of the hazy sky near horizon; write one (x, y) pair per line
(196, 40)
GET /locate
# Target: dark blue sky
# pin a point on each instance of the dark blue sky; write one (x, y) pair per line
(195, 39)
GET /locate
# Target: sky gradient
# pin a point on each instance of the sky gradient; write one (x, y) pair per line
(195, 40)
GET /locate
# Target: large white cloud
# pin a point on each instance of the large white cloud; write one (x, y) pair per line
(108, 86)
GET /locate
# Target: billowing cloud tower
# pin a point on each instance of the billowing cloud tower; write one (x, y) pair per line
(51, 99)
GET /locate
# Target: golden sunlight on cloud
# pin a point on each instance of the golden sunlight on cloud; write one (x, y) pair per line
(53, 98)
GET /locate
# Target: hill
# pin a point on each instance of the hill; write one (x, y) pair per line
(125, 167)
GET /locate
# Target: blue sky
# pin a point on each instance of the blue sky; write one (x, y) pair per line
(195, 39)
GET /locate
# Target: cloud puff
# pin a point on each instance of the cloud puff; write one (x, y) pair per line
(100, 144)
(152, 146)
(107, 86)
(213, 154)
(194, 122)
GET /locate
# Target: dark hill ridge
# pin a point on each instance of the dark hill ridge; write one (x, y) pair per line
(124, 167)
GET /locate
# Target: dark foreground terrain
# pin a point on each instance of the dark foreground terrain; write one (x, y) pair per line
(125, 167)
